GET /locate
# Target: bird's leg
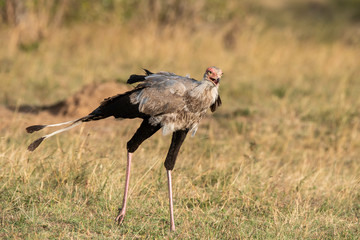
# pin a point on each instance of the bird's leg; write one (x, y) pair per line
(145, 131)
(176, 141)
(172, 222)
(122, 210)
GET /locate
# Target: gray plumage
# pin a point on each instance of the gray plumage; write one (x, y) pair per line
(174, 101)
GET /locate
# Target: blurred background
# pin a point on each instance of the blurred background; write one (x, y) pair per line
(279, 159)
(72, 42)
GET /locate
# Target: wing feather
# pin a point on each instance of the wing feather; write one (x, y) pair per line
(163, 93)
(160, 97)
(216, 104)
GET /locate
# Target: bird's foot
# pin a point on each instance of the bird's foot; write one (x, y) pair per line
(119, 219)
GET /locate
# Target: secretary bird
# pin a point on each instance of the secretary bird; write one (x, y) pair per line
(164, 101)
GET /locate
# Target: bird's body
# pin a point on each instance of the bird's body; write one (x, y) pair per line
(164, 101)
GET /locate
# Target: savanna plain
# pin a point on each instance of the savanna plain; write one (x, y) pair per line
(280, 159)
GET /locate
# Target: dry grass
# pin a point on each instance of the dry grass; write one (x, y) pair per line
(279, 160)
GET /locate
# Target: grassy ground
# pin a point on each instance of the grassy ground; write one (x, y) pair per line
(279, 160)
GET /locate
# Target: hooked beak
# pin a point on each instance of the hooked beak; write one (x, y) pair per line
(215, 80)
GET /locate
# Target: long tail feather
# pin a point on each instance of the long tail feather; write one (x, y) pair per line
(63, 130)
(35, 128)
(37, 142)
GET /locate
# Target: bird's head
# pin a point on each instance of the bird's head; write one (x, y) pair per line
(213, 74)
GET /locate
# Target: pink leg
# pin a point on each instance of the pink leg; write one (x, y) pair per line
(172, 223)
(122, 210)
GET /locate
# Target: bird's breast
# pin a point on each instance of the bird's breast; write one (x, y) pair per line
(201, 97)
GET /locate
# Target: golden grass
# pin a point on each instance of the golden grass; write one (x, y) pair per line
(280, 159)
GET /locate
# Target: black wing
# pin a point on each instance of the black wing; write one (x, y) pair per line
(138, 78)
(216, 104)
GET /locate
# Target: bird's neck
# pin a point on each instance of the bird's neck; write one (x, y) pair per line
(205, 90)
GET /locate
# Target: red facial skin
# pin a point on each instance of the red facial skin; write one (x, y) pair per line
(213, 75)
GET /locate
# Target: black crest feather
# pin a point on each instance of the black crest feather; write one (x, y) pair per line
(135, 78)
(147, 72)
(138, 78)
